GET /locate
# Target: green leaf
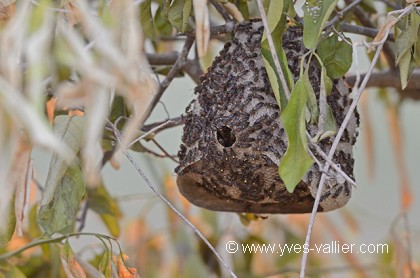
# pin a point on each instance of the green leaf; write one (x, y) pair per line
(179, 13)
(312, 104)
(161, 22)
(277, 23)
(336, 55)
(146, 18)
(8, 225)
(105, 264)
(274, 16)
(101, 202)
(326, 122)
(406, 48)
(407, 65)
(296, 161)
(408, 37)
(242, 6)
(315, 15)
(65, 184)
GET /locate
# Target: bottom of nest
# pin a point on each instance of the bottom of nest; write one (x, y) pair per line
(197, 194)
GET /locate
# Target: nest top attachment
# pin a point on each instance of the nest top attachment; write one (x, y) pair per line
(233, 141)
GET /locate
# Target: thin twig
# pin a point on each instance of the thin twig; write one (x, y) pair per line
(273, 49)
(151, 131)
(221, 10)
(180, 62)
(338, 137)
(170, 205)
(176, 121)
(341, 13)
(171, 157)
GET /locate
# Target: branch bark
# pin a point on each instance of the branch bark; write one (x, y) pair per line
(389, 79)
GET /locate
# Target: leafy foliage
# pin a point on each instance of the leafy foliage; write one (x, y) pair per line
(89, 62)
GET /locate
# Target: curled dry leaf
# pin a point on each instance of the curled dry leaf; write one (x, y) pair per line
(202, 31)
(23, 186)
(384, 31)
(122, 269)
(71, 267)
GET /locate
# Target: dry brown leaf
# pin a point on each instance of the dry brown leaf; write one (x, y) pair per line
(202, 31)
(384, 31)
(6, 11)
(23, 186)
(397, 144)
(368, 136)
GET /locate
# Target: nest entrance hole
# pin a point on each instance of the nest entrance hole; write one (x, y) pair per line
(225, 136)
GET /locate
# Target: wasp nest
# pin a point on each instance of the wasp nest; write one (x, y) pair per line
(233, 140)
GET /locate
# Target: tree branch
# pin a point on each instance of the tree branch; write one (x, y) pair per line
(192, 67)
(361, 30)
(341, 13)
(389, 79)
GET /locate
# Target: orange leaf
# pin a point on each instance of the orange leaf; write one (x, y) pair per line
(50, 107)
(368, 138)
(397, 143)
(122, 269)
(6, 12)
(70, 265)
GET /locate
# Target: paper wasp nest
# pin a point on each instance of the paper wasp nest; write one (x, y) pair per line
(233, 140)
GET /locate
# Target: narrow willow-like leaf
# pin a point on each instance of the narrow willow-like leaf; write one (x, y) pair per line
(105, 264)
(406, 48)
(336, 55)
(179, 13)
(316, 14)
(242, 7)
(273, 16)
(408, 37)
(101, 202)
(65, 184)
(296, 161)
(312, 104)
(146, 18)
(407, 65)
(326, 122)
(161, 21)
(277, 23)
(8, 228)
(70, 265)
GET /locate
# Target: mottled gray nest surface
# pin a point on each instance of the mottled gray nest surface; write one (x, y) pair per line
(233, 141)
